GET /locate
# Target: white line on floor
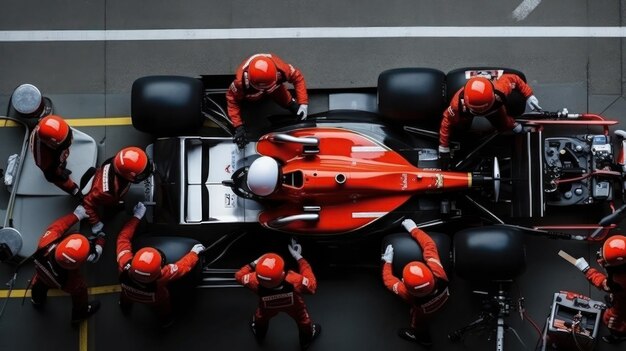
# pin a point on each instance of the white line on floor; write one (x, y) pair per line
(313, 32)
(525, 8)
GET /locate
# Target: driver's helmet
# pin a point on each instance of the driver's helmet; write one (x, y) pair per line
(72, 251)
(263, 176)
(262, 73)
(418, 279)
(478, 94)
(614, 250)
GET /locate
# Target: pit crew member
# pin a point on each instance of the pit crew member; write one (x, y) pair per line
(424, 285)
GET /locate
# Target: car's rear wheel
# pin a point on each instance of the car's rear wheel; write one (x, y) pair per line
(167, 105)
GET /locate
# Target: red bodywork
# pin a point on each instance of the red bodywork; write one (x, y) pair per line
(376, 180)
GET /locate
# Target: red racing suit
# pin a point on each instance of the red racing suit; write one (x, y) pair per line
(240, 89)
(458, 115)
(614, 282)
(287, 298)
(49, 274)
(107, 189)
(155, 293)
(53, 162)
(422, 308)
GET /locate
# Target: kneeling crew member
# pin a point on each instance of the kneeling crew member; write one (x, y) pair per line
(281, 291)
(424, 286)
(144, 276)
(58, 259)
(612, 258)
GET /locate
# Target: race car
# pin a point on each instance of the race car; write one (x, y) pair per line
(372, 160)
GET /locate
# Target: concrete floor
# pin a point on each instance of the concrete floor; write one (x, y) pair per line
(93, 79)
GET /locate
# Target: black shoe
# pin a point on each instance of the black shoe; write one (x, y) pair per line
(612, 339)
(92, 308)
(257, 334)
(37, 305)
(410, 334)
(167, 321)
(126, 307)
(317, 330)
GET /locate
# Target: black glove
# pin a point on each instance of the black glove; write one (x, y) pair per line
(240, 137)
(444, 160)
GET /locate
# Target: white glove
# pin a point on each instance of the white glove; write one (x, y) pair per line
(80, 212)
(303, 111)
(94, 257)
(139, 210)
(582, 265)
(388, 255)
(409, 225)
(97, 228)
(197, 248)
(533, 104)
(295, 249)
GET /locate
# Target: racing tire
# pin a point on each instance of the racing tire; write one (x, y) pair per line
(490, 253)
(174, 248)
(456, 79)
(411, 94)
(167, 105)
(406, 249)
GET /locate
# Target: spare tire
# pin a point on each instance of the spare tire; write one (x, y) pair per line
(412, 94)
(167, 105)
(492, 253)
(456, 79)
(406, 249)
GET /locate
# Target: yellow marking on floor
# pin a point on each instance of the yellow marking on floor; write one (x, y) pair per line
(96, 290)
(94, 122)
(82, 335)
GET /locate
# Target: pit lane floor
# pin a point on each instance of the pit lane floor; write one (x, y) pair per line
(88, 79)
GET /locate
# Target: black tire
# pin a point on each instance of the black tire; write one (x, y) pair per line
(411, 94)
(167, 105)
(173, 248)
(406, 249)
(490, 253)
(457, 78)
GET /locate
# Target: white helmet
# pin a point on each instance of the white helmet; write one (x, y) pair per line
(263, 176)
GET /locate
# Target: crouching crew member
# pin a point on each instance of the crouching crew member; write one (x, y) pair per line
(112, 181)
(50, 144)
(260, 76)
(144, 276)
(612, 257)
(281, 291)
(482, 97)
(58, 259)
(424, 286)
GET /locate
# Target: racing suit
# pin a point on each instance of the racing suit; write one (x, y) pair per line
(240, 89)
(614, 282)
(107, 189)
(422, 308)
(457, 115)
(287, 297)
(156, 293)
(53, 162)
(49, 274)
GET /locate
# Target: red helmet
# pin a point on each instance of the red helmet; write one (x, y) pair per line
(72, 251)
(418, 279)
(53, 130)
(146, 265)
(614, 250)
(270, 270)
(132, 163)
(478, 94)
(262, 73)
